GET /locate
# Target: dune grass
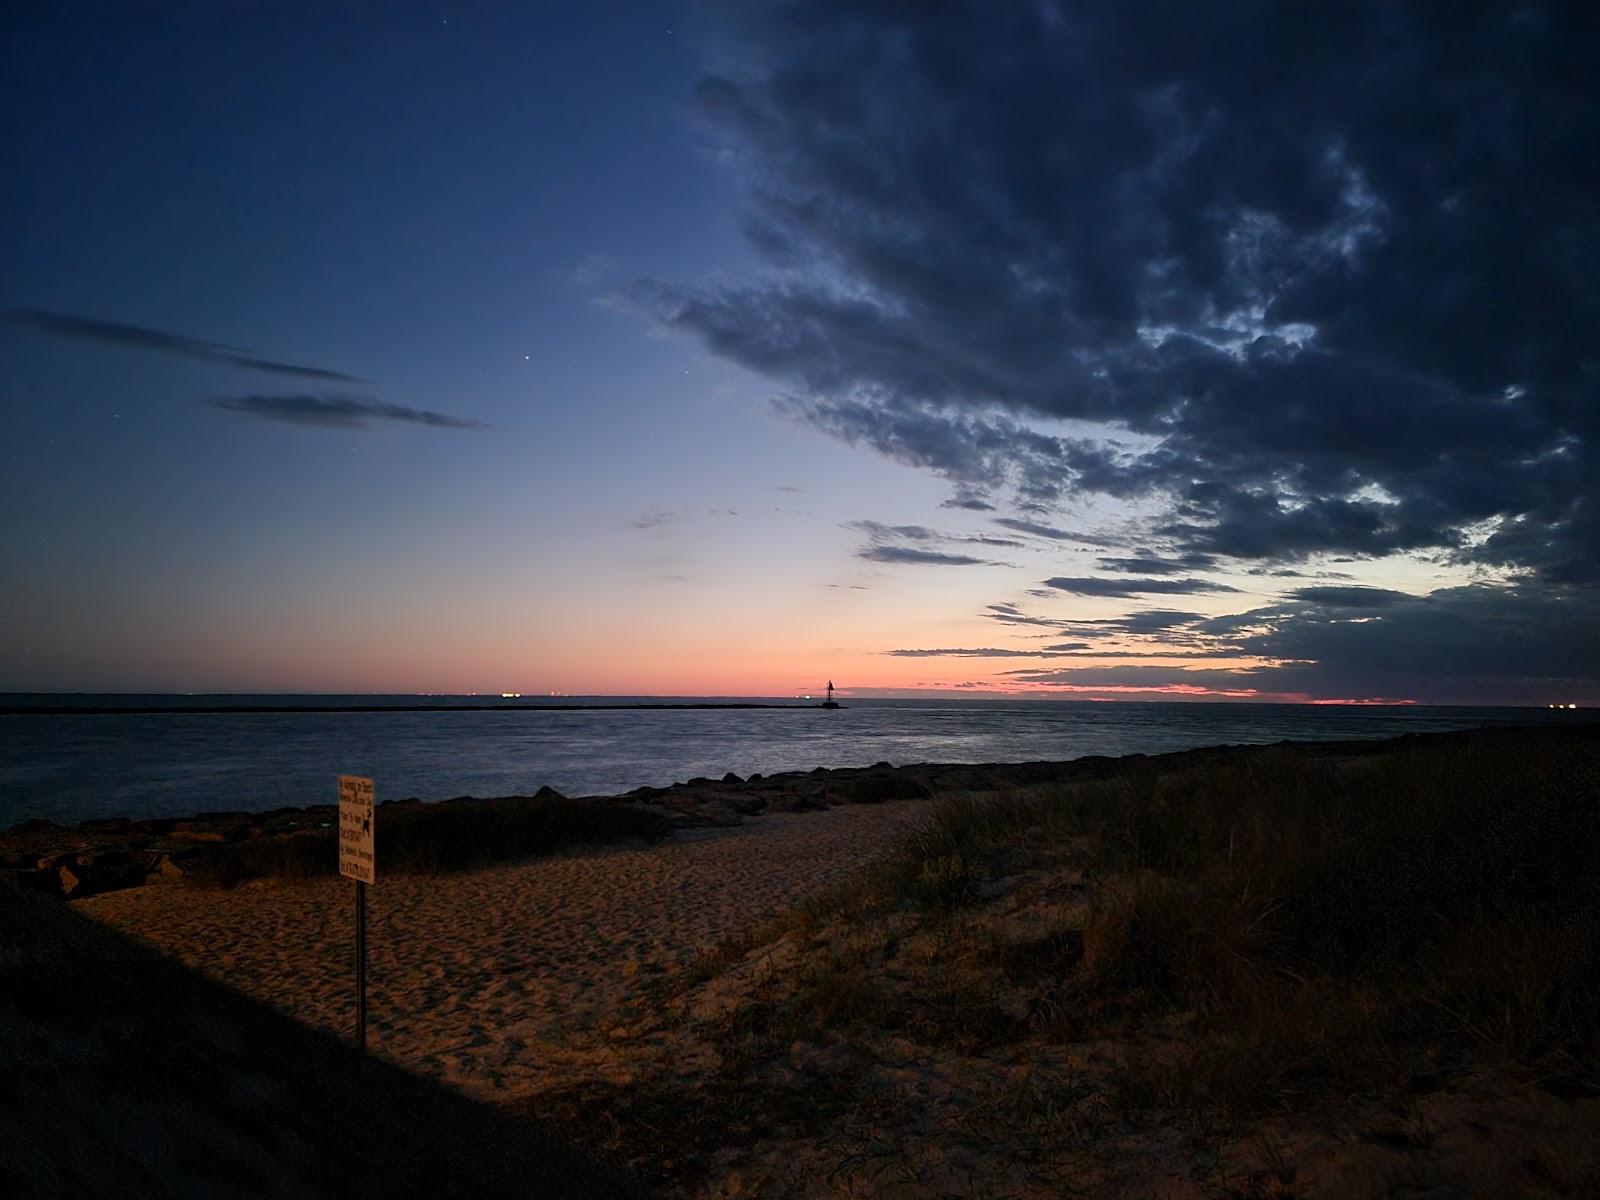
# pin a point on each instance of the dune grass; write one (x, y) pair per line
(1317, 916)
(454, 835)
(1280, 932)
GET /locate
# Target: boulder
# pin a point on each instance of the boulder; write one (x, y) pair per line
(163, 870)
(730, 777)
(548, 793)
(877, 787)
(107, 872)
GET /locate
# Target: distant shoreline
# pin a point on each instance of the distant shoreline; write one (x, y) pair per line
(79, 710)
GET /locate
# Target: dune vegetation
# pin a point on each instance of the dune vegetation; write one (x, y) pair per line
(1374, 972)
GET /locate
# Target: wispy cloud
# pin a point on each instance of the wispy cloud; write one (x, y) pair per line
(1058, 651)
(878, 531)
(1157, 622)
(1147, 564)
(654, 518)
(1055, 534)
(915, 554)
(1010, 614)
(337, 412)
(916, 544)
(115, 333)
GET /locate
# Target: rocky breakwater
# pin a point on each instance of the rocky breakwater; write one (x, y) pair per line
(74, 861)
(103, 855)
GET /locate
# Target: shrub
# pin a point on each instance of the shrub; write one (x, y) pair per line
(944, 882)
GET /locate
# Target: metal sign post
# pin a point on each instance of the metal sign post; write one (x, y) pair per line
(357, 860)
(361, 966)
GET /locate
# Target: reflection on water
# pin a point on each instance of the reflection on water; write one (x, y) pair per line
(70, 768)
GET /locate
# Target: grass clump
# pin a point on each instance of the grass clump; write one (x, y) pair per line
(453, 835)
(1338, 922)
(942, 864)
(1320, 916)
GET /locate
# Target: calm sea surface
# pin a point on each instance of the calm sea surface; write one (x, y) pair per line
(69, 768)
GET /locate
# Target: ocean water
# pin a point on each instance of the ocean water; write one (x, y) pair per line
(69, 768)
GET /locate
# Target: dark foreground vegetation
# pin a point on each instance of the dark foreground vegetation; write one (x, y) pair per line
(1287, 973)
(454, 835)
(223, 849)
(127, 1075)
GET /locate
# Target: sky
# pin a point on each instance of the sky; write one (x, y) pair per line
(1084, 350)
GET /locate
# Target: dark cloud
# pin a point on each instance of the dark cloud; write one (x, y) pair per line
(1093, 585)
(981, 540)
(337, 412)
(1151, 654)
(977, 453)
(1333, 268)
(1135, 677)
(969, 502)
(1151, 620)
(1351, 597)
(1164, 625)
(114, 333)
(1468, 645)
(914, 554)
(1471, 644)
(991, 652)
(1291, 573)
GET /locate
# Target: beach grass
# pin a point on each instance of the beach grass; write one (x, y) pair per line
(1281, 939)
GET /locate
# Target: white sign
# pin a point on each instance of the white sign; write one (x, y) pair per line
(356, 818)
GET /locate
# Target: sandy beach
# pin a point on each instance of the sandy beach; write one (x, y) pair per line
(479, 979)
(1059, 982)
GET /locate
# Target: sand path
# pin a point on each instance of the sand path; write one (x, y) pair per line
(480, 978)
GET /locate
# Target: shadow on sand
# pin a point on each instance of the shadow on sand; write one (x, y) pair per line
(127, 1074)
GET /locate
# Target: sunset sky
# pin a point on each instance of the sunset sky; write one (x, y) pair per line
(724, 349)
